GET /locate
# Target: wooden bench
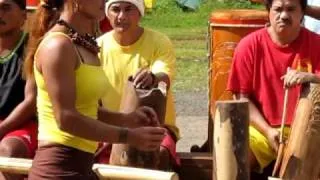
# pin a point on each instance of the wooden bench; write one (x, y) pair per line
(195, 166)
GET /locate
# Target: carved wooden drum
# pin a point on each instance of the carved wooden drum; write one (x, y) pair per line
(226, 29)
(301, 159)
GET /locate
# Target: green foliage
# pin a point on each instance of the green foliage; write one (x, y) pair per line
(240, 4)
(166, 5)
(192, 75)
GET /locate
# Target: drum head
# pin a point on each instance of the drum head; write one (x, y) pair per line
(239, 16)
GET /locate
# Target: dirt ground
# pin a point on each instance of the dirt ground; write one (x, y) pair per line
(192, 118)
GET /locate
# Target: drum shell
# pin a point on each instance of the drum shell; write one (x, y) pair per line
(226, 29)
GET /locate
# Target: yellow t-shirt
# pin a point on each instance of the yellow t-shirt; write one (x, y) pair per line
(153, 50)
(90, 86)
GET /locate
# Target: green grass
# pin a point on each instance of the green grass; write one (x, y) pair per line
(167, 14)
(191, 75)
(188, 32)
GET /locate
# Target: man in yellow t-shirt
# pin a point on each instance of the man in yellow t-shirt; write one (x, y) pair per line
(147, 55)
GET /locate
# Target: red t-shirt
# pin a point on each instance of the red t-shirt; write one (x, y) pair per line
(258, 65)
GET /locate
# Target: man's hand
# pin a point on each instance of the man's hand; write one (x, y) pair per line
(294, 77)
(143, 78)
(273, 136)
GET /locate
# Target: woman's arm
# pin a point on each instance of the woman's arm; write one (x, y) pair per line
(142, 116)
(24, 111)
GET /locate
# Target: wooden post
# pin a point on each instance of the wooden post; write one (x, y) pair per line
(231, 141)
(107, 172)
(302, 158)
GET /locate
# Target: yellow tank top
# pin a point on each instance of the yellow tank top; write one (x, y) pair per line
(90, 87)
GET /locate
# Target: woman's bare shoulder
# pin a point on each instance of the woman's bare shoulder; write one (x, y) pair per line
(56, 47)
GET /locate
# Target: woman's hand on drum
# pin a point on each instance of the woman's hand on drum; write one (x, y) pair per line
(143, 78)
(294, 77)
(146, 138)
(143, 116)
(273, 136)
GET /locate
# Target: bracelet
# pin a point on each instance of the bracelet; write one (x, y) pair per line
(123, 135)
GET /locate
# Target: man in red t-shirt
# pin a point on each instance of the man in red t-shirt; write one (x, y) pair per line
(259, 74)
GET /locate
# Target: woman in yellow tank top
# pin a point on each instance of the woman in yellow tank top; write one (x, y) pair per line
(63, 59)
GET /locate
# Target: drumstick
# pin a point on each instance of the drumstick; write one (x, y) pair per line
(284, 115)
(281, 140)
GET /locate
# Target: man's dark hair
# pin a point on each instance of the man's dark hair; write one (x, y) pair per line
(303, 4)
(20, 3)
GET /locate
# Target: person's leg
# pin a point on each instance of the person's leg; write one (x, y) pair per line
(168, 157)
(20, 143)
(12, 147)
(261, 153)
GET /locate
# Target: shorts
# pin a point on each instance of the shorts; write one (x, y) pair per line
(28, 134)
(261, 149)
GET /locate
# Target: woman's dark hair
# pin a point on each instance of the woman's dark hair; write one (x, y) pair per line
(303, 4)
(45, 17)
